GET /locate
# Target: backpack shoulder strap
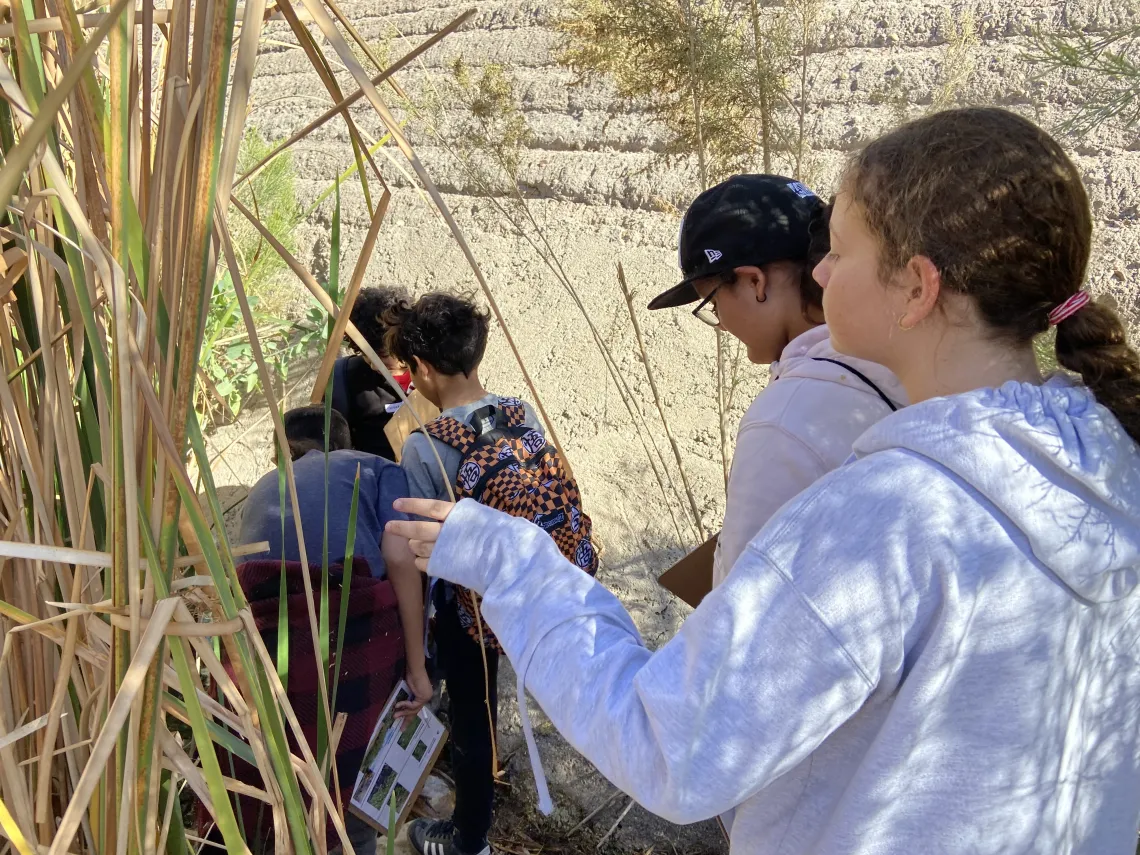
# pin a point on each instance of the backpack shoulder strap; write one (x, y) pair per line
(452, 432)
(485, 420)
(894, 407)
(513, 410)
(340, 399)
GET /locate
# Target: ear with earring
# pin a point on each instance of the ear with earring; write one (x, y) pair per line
(757, 282)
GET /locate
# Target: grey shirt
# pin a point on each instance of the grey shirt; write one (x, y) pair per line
(424, 478)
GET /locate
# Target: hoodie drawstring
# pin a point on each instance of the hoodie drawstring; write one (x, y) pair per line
(545, 803)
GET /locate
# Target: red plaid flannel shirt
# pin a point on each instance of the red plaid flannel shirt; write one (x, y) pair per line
(373, 662)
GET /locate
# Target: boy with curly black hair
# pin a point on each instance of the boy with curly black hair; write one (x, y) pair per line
(360, 393)
(441, 337)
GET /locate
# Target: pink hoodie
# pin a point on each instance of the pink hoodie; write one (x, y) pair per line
(798, 429)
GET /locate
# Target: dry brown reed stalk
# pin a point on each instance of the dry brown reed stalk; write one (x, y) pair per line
(695, 85)
(345, 310)
(760, 57)
(324, 70)
(321, 296)
(521, 216)
(657, 400)
(343, 105)
(119, 595)
(722, 397)
(694, 82)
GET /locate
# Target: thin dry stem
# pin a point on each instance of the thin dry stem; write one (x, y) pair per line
(354, 286)
(660, 406)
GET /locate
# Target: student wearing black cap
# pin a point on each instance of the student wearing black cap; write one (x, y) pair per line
(747, 249)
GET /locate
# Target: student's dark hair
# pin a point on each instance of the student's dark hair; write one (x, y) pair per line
(368, 312)
(998, 207)
(447, 331)
(811, 295)
(305, 430)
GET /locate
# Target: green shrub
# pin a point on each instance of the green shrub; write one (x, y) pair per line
(689, 64)
(226, 357)
(1107, 69)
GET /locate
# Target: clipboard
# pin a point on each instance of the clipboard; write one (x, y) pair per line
(691, 578)
(403, 424)
(397, 763)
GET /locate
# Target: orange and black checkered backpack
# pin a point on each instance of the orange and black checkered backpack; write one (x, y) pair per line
(511, 467)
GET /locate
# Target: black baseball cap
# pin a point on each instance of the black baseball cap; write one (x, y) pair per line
(748, 220)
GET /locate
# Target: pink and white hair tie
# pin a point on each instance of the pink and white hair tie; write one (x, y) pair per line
(1069, 308)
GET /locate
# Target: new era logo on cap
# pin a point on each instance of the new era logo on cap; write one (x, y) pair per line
(752, 220)
(800, 190)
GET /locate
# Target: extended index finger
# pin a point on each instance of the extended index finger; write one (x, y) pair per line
(414, 530)
(430, 508)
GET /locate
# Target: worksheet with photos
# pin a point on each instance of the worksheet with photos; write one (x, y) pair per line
(397, 762)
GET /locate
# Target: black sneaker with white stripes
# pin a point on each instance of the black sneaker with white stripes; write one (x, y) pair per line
(437, 837)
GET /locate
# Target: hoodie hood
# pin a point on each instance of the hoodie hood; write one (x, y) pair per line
(1053, 461)
(801, 358)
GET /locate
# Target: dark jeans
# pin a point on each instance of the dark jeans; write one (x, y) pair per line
(461, 662)
(360, 834)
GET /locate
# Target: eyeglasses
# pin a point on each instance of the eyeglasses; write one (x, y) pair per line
(706, 312)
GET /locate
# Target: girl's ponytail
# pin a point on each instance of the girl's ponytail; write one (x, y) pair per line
(1093, 343)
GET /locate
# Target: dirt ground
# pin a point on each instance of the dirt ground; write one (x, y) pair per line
(599, 190)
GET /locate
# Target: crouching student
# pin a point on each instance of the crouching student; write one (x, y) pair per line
(492, 449)
(384, 634)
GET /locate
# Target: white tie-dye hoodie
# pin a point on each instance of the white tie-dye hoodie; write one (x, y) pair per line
(932, 650)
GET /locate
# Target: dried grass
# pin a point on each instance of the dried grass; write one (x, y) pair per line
(118, 590)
